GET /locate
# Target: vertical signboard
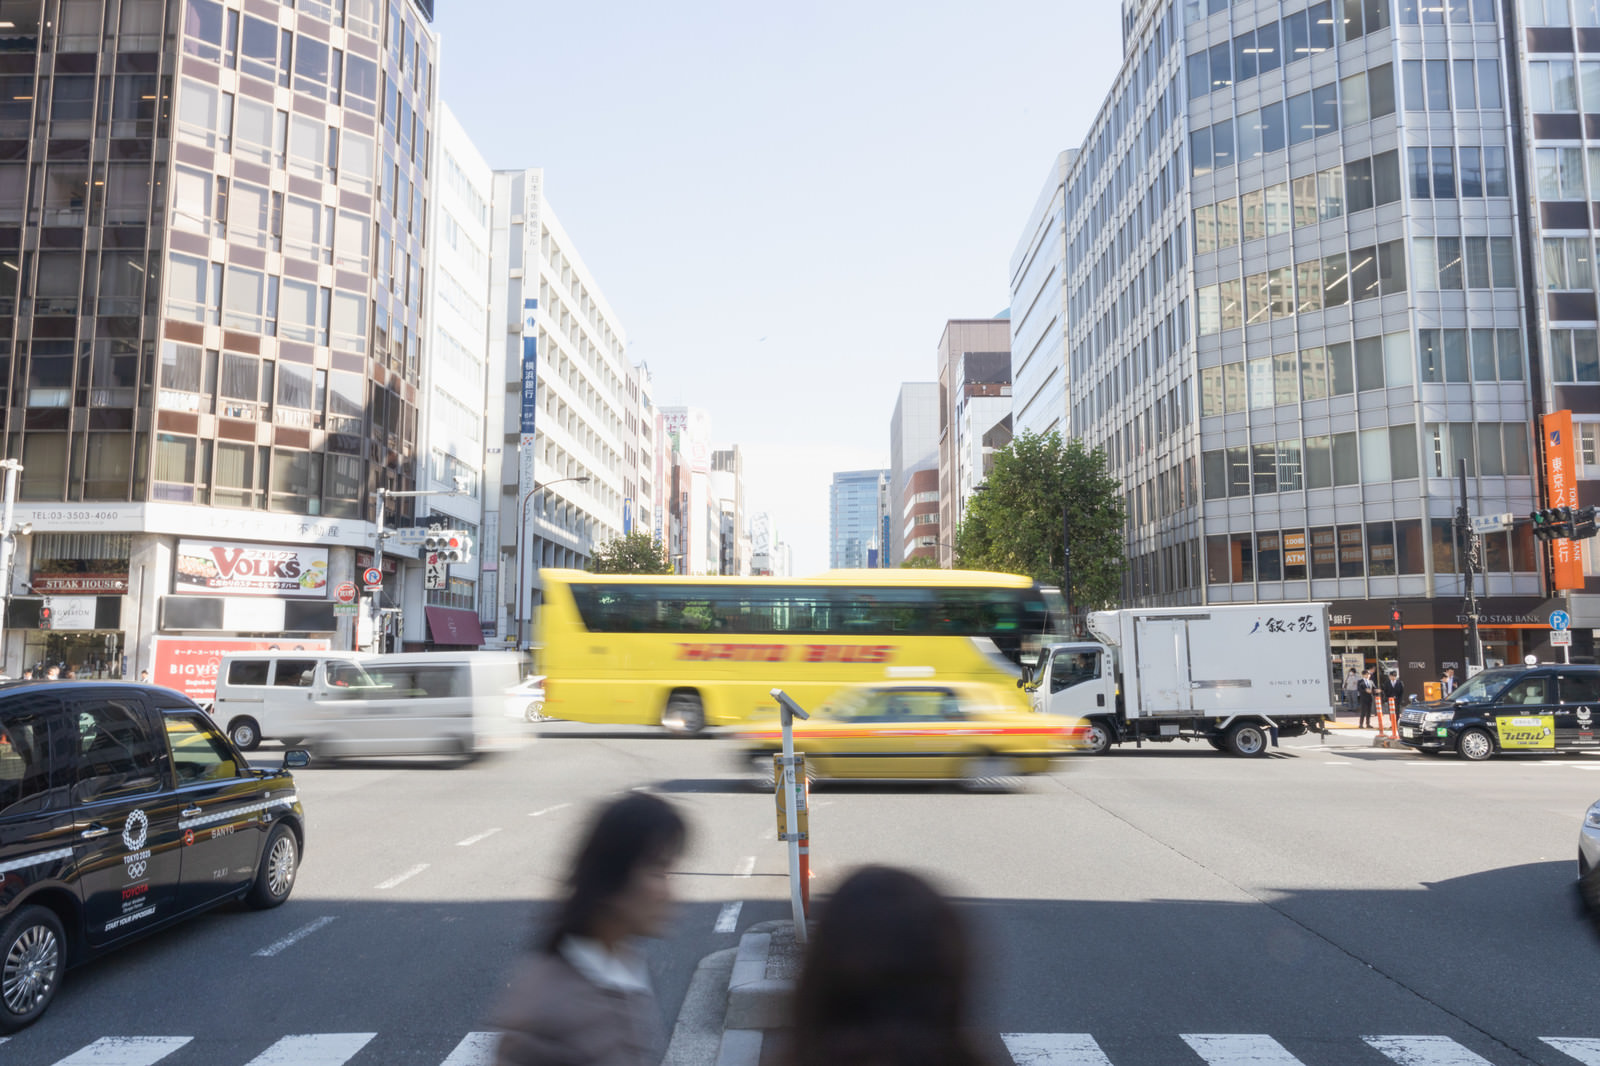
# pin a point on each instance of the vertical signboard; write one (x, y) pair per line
(1561, 486)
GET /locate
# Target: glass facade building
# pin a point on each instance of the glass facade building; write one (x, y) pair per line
(1305, 283)
(211, 275)
(857, 502)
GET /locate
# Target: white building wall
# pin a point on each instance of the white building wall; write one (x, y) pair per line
(913, 446)
(686, 431)
(977, 416)
(1039, 310)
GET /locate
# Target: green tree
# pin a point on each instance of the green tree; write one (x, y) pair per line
(631, 553)
(920, 562)
(1014, 524)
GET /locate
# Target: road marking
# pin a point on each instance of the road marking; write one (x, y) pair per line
(402, 877)
(1054, 1049)
(1584, 1050)
(747, 867)
(728, 918)
(321, 1049)
(485, 835)
(126, 1051)
(294, 938)
(476, 1050)
(1425, 1051)
(549, 810)
(1239, 1049)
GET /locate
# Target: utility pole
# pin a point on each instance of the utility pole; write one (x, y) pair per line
(1066, 563)
(8, 545)
(1467, 554)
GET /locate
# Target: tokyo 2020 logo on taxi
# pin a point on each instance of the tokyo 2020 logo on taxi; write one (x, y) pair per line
(135, 832)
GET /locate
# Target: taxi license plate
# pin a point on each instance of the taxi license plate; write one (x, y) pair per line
(1408, 732)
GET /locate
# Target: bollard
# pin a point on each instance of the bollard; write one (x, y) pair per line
(1394, 720)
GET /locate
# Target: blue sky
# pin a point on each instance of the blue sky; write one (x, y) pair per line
(784, 204)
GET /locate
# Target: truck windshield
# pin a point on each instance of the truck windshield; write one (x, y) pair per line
(1485, 687)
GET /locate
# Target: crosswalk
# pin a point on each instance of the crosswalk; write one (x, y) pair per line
(1256, 1049)
(1026, 1049)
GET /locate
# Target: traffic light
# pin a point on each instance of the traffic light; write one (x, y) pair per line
(1554, 523)
(1396, 622)
(44, 617)
(1586, 525)
(450, 545)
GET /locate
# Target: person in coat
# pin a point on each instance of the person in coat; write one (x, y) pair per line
(581, 996)
(1395, 689)
(1364, 695)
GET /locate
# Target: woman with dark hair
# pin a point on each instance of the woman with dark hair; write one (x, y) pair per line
(885, 978)
(582, 994)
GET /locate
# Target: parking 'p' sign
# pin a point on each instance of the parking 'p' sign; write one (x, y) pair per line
(372, 578)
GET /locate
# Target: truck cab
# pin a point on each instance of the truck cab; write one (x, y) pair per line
(1078, 680)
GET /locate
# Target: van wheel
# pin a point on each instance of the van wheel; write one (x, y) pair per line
(1475, 745)
(245, 734)
(684, 714)
(280, 862)
(32, 959)
(1247, 739)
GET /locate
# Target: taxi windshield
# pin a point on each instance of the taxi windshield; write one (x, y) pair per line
(1485, 687)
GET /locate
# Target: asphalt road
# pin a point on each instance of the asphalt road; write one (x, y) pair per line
(1297, 905)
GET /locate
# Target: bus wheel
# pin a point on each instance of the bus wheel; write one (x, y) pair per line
(684, 714)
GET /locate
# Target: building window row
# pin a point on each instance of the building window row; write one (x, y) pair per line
(1438, 12)
(1269, 129)
(1560, 13)
(1262, 50)
(1476, 82)
(1372, 549)
(1331, 281)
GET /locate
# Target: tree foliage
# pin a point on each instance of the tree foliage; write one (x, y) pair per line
(920, 562)
(1015, 525)
(631, 553)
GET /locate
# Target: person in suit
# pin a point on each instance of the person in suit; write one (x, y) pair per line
(1395, 690)
(1447, 683)
(1366, 692)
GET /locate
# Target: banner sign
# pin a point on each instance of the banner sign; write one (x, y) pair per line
(1561, 486)
(530, 366)
(189, 664)
(85, 584)
(213, 567)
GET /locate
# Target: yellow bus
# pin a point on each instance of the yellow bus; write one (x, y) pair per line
(686, 652)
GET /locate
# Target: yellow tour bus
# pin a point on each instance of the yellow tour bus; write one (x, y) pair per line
(686, 652)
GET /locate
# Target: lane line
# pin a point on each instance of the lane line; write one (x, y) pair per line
(1054, 1049)
(1239, 1049)
(1425, 1051)
(1586, 1051)
(319, 1049)
(485, 835)
(549, 810)
(747, 866)
(728, 918)
(477, 1049)
(293, 938)
(126, 1051)
(401, 877)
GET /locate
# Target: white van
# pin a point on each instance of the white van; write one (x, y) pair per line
(348, 703)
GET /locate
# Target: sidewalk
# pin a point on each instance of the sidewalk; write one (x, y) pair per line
(738, 1001)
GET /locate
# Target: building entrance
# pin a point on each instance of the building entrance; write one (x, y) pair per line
(86, 654)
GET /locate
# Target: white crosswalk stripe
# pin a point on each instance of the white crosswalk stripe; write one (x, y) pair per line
(1585, 1050)
(476, 1050)
(319, 1049)
(1425, 1051)
(1239, 1049)
(126, 1051)
(1054, 1049)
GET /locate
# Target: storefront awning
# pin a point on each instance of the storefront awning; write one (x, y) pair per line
(454, 625)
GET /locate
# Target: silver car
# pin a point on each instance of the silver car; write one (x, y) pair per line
(1589, 858)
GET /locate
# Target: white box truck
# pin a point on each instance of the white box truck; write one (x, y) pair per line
(1237, 676)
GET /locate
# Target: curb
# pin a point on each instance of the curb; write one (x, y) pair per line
(732, 1003)
(697, 1035)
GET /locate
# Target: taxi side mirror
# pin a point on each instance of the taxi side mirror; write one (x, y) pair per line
(296, 759)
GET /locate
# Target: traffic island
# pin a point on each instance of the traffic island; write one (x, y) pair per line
(757, 980)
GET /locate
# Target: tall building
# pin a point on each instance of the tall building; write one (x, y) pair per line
(763, 544)
(1039, 311)
(639, 500)
(455, 377)
(692, 524)
(913, 448)
(215, 215)
(1302, 288)
(727, 490)
(564, 376)
(974, 364)
(856, 502)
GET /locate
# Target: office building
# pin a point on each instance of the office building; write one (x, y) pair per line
(856, 508)
(213, 320)
(727, 490)
(1039, 311)
(692, 522)
(974, 361)
(1298, 298)
(913, 449)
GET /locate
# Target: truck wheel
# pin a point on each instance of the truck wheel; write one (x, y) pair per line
(1097, 739)
(1247, 739)
(1220, 743)
(1475, 745)
(684, 714)
(244, 733)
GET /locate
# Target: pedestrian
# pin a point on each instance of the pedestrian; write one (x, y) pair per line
(1352, 689)
(1447, 683)
(1395, 690)
(53, 674)
(581, 995)
(144, 677)
(1364, 696)
(886, 978)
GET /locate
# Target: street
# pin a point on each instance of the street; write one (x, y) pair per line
(1331, 903)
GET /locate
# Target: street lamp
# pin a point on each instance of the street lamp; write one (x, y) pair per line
(377, 598)
(522, 537)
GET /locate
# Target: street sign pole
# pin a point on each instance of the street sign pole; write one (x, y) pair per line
(1561, 634)
(794, 795)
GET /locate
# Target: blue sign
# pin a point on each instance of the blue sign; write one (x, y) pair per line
(627, 516)
(1560, 620)
(530, 368)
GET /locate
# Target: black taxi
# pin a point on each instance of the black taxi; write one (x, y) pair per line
(1547, 707)
(123, 809)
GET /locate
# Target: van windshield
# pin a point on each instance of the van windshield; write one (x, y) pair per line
(1486, 686)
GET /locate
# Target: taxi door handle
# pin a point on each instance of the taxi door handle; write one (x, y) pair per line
(94, 831)
(190, 812)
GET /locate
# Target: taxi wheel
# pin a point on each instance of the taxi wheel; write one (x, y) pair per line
(685, 714)
(1474, 745)
(244, 733)
(32, 958)
(280, 862)
(985, 772)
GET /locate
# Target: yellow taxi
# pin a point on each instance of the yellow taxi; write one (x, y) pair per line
(970, 731)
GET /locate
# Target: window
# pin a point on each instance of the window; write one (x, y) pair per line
(251, 301)
(205, 115)
(1569, 263)
(308, 230)
(303, 312)
(248, 672)
(261, 132)
(193, 289)
(199, 752)
(1573, 356)
(1558, 173)
(296, 481)
(308, 147)
(1551, 85)
(311, 69)
(118, 755)
(35, 758)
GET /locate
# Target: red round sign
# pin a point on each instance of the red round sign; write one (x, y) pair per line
(346, 593)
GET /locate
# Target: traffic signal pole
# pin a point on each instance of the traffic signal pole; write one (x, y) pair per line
(1467, 553)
